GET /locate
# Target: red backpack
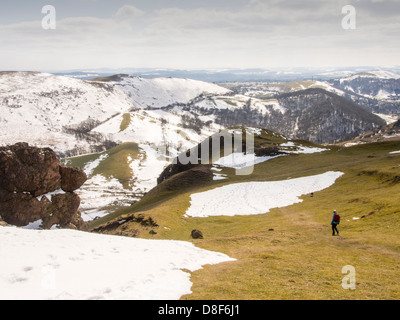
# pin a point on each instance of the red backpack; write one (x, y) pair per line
(336, 218)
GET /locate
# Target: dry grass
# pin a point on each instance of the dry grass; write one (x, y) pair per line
(300, 259)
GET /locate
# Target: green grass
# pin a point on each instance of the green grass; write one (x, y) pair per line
(229, 101)
(299, 259)
(80, 161)
(116, 164)
(126, 121)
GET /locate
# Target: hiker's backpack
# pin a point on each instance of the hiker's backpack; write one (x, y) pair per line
(336, 218)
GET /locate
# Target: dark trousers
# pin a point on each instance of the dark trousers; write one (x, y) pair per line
(334, 228)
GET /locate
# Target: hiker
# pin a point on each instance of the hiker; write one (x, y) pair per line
(335, 222)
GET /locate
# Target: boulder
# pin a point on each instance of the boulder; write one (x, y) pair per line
(197, 234)
(62, 210)
(27, 177)
(20, 209)
(29, 169)
(72, 178)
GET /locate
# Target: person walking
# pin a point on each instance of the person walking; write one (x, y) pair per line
(335, 222)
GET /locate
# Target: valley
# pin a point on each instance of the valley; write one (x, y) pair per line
(318, 146)
(288, 252)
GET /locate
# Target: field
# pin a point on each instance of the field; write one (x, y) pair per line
(290, 253)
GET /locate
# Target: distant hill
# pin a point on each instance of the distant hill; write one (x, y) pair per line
(313, 114)
(379, 91)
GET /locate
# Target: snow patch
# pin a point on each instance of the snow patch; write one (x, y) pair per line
(252, 198)
(241, 160)
(48, 195)
(73, 265)
(219, 176)
(301, 149)
(90, 166)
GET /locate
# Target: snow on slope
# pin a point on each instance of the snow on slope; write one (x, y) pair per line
(240, 160)
(250, 198)
(36, 106)
(66, 265)
(157, 128)
(161, 92)
(379, 74)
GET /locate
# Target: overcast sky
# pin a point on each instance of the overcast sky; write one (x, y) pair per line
(186, 34)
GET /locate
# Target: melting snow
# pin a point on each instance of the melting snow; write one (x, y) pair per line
(241, 160)
(302, 149)
(90, 166)
(66, 265)
(251, 198)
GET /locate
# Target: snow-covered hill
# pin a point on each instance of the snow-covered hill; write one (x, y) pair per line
(378, 74)
(39, 107)
(162, 92)
(163, 116)
(60, 112)
(378, 91)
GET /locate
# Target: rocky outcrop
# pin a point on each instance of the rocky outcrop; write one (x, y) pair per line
(72, 178)
(28, 169)
(390, 132)
(34, 187)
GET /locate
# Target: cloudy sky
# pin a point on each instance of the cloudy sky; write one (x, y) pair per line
(186, 34)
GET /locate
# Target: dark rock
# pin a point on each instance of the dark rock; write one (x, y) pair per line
(72, 178)
(62, 210)
(197, 234)
(27, 173)
(29, 169)
(20, 209)
(267, 151)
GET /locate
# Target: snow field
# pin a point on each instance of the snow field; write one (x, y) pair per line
(241, 160)
(66, 264)
(250, 198)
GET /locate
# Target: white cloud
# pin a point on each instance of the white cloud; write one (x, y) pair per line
(259, 34)
(128, 12)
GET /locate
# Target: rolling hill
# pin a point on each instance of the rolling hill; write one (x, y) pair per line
(142, 124)
(286, 250)
(273, 221)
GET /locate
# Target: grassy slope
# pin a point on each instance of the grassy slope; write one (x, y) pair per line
(299, 259)
(126, 121)
(116, 165)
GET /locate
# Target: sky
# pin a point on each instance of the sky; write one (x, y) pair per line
(206, 34)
